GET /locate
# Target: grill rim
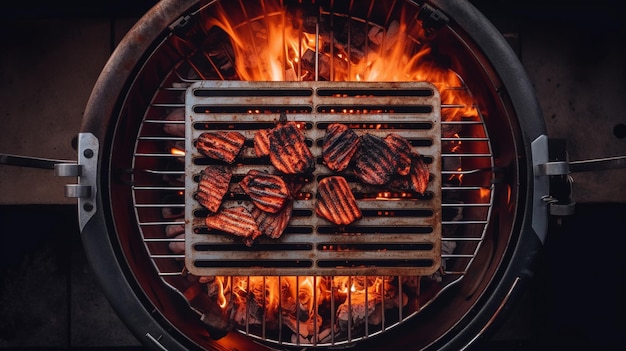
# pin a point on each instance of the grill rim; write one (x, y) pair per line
(103, 249)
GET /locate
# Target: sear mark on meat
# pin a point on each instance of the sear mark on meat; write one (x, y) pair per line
(237, 221)
(339, 145)
(212, 186)
(288, 150)
(221, 145)
(262, 142)
(375, 161)
(273, 224)
(402, 148)
(267, 191)
(336, 201)
(419, 175)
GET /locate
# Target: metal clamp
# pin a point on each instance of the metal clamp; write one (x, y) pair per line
(86, 171)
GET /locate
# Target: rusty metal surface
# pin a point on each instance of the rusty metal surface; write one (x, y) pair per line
(398, 248)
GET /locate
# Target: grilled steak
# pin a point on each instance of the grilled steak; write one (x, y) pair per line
(262, 142)
(402, 149)
(375, 162)
(336, 202)
(236, 221)
(267, 191)
(419, 176)
(212, 187)
(340, 144)
(273, 224)
(288, 150)
(221, 145)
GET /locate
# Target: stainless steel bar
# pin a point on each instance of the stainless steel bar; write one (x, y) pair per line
(167, 256)
(161, 138)
(161, 223)
(158, 155)
(165, 188)
(158, 205)
(32, 162)
(154, 171)
(598, 164)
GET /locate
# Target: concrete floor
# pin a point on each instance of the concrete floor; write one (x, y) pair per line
(50, 61)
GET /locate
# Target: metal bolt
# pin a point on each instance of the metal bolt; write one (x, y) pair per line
(88, 153)
(88, 207)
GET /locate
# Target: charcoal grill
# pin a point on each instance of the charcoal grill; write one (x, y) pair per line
(135, 189)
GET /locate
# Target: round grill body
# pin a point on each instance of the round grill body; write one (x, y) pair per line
(490, 220)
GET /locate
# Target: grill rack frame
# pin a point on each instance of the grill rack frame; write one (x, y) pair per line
(419, 253)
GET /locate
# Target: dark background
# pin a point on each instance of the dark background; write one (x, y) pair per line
(49, 299)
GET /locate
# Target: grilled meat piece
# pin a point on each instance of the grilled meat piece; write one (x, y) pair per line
(262, 142)
(336, 202)
(375, 162)
(237, 221)
(212, 186)
(419, 176)
(288, 150)
(402, 149)
(273, 224)
(221, 145)
(340, 144)
(267, 191)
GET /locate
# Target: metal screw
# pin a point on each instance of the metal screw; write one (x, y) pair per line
(88, 207)
(88, 153)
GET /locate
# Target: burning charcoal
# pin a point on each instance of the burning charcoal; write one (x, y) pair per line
(376, 162)
(262, 142)
(267, 191)
(387, 38)
(273, 224)
(340, 144)
(175, 129)
(236, 221)
(304, 329)
(355, 313)
(402, 147)
(173, 230)
(178, 247)
(288, 150)
(419, 175)
(336, 202)
(172, 212)
(213, 185)
(323, 63)
(224, 146)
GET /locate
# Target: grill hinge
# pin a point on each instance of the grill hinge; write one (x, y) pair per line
(86, 171)
(432, 18)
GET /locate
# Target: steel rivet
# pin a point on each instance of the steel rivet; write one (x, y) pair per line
(88, 207)
(88, 153)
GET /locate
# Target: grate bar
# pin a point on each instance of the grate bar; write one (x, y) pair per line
(409, 109)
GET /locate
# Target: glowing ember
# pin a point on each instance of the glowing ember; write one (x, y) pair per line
(177, 152)
(281, 47)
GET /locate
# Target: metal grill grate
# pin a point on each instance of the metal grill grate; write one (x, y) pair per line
(399, 234)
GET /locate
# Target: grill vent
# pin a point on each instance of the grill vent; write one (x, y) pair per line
(399, 234)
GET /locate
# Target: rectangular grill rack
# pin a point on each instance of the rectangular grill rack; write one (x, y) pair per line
(399, 234)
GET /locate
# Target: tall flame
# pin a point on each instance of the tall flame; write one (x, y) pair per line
(276, 47)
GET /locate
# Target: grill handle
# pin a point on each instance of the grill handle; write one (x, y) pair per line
(85, 170)
(559, 168)
(32, 162)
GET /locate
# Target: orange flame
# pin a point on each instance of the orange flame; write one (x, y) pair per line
(275, 47)
(267, 49)
(177, 151)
